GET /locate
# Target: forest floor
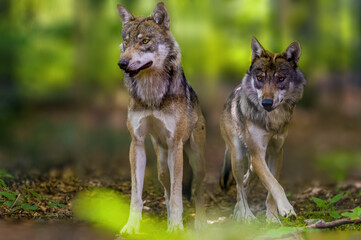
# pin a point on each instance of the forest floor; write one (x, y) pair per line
(41, 206)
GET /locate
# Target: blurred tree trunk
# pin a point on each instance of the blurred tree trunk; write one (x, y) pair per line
(80, 59)
(86, 58)
(80, 12)
(88, 33)
(8, 51)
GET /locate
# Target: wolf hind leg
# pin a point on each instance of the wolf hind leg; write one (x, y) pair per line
(163, 172)
(238, 157)
(194, 150)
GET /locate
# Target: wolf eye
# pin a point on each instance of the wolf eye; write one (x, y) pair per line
(145, 41)
(259, 78)
(281, 79)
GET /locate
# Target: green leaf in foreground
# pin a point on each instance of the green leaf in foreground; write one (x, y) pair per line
(35, 194)
(319, 202)
(353, 215)
(106, 208)
(8, 195)
(335, 215)
(4, 173)
(357, 211)
(27, 206)
(55, 203)
(2, 183)
(336, 198)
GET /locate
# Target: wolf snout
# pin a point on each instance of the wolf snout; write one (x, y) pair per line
(123, 64)
(267, 104)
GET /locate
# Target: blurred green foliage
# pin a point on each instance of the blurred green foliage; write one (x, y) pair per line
(338, 163)
(62, 47)
(108, 210)
(55, 54)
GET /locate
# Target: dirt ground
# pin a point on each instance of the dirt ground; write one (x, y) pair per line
(59, 222)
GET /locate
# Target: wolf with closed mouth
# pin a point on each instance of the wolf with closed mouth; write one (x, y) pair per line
(163, 105)
(254, 125)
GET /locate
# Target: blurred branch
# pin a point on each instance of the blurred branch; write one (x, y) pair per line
(323, 224)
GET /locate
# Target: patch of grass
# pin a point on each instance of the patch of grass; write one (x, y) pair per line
(27, 200)
(328, 206)
(54, 203)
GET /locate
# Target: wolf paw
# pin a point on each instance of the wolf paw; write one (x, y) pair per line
(200, 223)
(243, 214)
(272, 217)
(287, 210)
(130, 228)
(175, 227)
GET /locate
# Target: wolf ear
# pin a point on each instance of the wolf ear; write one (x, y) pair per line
(293, 52)
(160, 15)
(257, 48)
(124, 14)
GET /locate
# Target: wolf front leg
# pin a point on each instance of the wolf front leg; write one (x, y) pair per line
(175, 164)
(274, 157)
(137, 159)
(272, 185)
(274, 160)
(257, 143)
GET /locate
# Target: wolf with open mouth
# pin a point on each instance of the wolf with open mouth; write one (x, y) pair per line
(163, 105)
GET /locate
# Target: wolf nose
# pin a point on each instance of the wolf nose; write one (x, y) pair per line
(123, 64)
(267, 104)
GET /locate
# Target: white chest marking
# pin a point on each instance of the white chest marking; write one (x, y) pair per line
(161, 126)
(259, 135)
(169, 121)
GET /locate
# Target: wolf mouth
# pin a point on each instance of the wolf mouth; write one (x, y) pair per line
(269, 109)
(132, 73)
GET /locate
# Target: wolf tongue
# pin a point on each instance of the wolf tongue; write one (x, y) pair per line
(147, 65)
(135, 72)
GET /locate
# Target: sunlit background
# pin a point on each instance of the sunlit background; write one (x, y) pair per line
(63, 104)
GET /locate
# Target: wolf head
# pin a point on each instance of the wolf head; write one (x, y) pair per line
(274, 78)
(146, 41)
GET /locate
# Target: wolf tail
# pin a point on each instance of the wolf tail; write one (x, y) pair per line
(226, 176)
(247, 179)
